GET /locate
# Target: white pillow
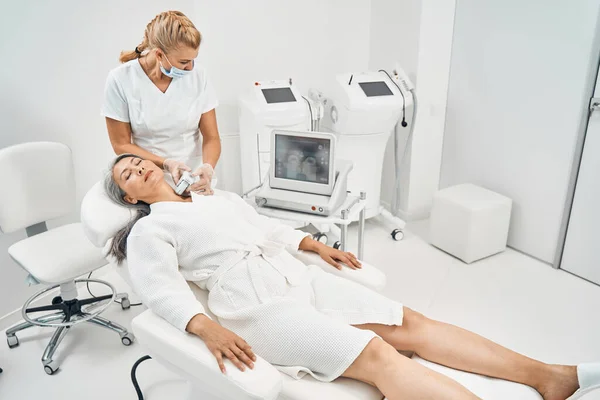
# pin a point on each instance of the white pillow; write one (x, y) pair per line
(101, 217)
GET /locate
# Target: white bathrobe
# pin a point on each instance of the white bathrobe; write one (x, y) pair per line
(298, 318)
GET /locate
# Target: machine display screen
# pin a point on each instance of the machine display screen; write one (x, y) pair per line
(373, 89)
(302, 158)
(278, 95)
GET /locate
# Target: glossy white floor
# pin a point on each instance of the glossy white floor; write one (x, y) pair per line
(510, 298)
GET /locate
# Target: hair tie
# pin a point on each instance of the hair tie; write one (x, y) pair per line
(137, 50)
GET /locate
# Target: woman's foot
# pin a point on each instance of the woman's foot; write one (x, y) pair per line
(559, 382)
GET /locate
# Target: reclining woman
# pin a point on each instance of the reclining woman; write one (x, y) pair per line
(298, 318)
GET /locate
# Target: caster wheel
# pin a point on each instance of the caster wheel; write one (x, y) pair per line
(337, 245)
(12, 341)
(125, 304)
(51, 367)
(397, 234)
(127, 340)
(57, 300)
(320, 237)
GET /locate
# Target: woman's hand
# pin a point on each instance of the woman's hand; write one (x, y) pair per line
(205, 172)
(222, 342)
(332, 256)
(175, 168)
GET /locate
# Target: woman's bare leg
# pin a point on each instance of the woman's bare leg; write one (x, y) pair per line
(400, 378)
(460, 349)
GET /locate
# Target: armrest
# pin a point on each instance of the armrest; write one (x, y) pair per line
(190, 357)
(368, 275)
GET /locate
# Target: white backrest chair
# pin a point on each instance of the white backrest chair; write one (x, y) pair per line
(39, 185)
(187, 355)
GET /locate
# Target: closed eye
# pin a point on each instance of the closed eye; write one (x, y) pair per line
(139, 160)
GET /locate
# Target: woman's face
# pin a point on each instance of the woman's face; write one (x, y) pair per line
(138, 178)
(182, 58)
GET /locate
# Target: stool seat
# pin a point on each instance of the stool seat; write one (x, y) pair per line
(470, 222)
(57, 255)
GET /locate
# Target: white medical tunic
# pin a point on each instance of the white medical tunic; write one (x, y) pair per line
(297, 317)
(165, 124)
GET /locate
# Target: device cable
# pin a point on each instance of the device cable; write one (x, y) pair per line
(311, 113)
(404, 123)
(87, 284)
(136, 386)
(398, 162)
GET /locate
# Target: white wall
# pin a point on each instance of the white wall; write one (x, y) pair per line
(518, 82)
(433, 65)
(418, 35)
(309, 41)
(57, 55)
(395, 38)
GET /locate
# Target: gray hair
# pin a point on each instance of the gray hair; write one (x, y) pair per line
(118, 247)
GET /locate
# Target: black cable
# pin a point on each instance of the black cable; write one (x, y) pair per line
(87, 284)
(136, 386)
(311, 114)
(403, 99)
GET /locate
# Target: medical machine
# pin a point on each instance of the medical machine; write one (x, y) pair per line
(304, 174)
(265, 106)
(362, 110)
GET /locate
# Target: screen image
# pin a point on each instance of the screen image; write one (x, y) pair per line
(373, 89)
(302, 159)
(278, 95)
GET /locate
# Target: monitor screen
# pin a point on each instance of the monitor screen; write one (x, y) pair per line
(373, 89)
(278, 95)
(302, 158)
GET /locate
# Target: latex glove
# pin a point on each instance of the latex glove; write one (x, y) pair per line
(205, 172)
(175, 168)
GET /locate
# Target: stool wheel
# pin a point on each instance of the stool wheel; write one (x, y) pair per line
(51, 367)
(320, 237)
(12, 341)
(57, 300)
(397, 234)
(127, 339)
(337, 245)
(125, 304)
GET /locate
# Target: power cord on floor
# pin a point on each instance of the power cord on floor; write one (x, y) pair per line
(87, 284)
(136, 386)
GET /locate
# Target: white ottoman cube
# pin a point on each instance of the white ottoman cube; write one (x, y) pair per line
(470, 222)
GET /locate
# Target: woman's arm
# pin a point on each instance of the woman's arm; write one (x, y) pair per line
(211, 151)
(119, 134)
(295, 239)
(329, 254)
(154, 271)
(155, 275)
(222, 342)
(211, 142)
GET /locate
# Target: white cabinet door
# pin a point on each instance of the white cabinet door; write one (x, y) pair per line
(581, 254)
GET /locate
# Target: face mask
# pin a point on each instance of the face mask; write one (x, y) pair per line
(174, 72)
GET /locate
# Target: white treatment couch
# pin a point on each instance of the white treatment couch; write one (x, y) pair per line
(186, 354)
